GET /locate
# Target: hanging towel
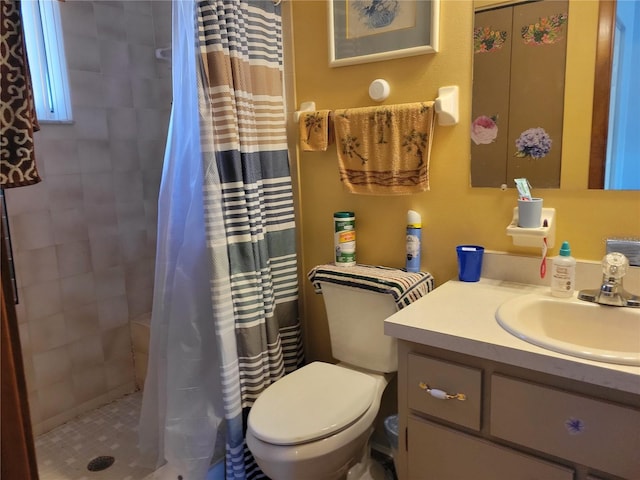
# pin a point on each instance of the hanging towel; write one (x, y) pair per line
(405, 287)
(316, 130)
(385, 150)
(18, 121)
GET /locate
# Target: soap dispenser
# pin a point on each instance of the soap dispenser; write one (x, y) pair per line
(563, 273)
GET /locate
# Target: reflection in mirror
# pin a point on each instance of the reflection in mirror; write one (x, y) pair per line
(518, 93)
(615, 160)
(603, 161)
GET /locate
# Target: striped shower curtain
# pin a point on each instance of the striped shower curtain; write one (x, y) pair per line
(248, 205)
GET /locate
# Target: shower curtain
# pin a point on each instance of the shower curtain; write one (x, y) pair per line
(225, 318)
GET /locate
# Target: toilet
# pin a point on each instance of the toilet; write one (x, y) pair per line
(315, 423)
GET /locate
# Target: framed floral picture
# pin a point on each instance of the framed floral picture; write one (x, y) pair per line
(363, 31)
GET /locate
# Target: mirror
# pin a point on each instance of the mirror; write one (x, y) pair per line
(560, 155)
(614, 163)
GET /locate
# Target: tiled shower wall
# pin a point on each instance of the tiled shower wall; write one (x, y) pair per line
(84, 238)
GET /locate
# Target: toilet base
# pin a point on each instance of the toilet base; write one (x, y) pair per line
(367, 468)
(371, 471)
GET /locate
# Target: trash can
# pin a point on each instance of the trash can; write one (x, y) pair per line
(391, 430)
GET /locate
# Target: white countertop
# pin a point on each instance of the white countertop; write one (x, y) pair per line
(460, 317)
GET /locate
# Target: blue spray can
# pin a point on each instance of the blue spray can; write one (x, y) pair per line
(414, 240)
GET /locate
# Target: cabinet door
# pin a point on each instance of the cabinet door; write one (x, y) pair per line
(439, 453)
(584, 430)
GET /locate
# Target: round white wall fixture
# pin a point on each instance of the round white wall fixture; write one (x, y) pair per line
(379, 90)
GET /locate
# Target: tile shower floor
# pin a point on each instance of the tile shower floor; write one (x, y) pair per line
(112, 430)
(65, 452)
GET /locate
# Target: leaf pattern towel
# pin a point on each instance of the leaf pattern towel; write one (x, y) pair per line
(385, 150)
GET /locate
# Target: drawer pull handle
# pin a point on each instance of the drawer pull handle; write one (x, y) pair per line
(441, 394)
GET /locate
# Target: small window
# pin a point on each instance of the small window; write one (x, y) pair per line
(47, 62)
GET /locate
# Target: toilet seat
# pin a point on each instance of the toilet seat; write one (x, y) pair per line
(311, 403)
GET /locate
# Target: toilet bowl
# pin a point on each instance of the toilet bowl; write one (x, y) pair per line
(317, 422)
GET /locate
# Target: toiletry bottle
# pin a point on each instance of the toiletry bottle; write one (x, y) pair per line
(563, 273)
(414, 238)
(344, 238)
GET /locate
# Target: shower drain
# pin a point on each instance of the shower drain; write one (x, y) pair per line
(100, 463)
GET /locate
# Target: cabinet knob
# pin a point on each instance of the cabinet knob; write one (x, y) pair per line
(441, 394)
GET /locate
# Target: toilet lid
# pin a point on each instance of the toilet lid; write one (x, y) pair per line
(311, 403)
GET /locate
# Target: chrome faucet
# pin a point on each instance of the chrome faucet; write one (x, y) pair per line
(611, 292)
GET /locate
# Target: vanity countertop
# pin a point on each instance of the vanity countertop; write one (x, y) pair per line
(460, 317)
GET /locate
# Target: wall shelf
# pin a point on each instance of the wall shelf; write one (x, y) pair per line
(534, 237)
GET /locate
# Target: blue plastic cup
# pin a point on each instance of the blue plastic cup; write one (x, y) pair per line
(469, 262)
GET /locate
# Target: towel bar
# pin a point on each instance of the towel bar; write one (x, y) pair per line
(446, 105)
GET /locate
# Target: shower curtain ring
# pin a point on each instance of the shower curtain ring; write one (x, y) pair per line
(277, 2)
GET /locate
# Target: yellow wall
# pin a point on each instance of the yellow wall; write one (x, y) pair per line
(452, 211)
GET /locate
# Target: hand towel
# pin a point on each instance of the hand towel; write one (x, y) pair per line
(385, 150)
(316, 131)
(405, 287)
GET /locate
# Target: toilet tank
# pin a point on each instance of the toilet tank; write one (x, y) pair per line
(356, 327)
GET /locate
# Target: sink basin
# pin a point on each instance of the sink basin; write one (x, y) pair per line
(574, 327)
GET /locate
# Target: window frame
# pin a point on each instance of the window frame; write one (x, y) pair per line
(47, 60)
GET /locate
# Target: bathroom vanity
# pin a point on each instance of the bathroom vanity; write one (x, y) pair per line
(516, 410)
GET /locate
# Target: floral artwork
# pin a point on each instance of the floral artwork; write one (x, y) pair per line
(371, 17)
(487, 40)
(574, 426)
(484, 130)
(534, 143)
(545, 31)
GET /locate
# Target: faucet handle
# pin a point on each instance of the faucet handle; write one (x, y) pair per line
(615, 265)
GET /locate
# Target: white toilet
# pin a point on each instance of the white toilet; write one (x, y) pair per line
(315, 423)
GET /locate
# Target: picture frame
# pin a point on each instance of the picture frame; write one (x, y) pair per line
(363, 31)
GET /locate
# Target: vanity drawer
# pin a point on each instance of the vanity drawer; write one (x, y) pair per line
(451, 378)
(440, 453)
(584, 430)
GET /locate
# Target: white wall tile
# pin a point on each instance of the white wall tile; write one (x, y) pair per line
(90, 123)
(37, 266)
(69, 225)
(116, 343)
(47, 333)
(42, 299)
(52, 366)
(82, 52)
(86, 352)
(102, 219)
(123, 123)
(118, 91)
(140, 28)
(57, 398)
(95, 156)
(65, 191)
(138, 6)
(110, 20)
(87, 89)
(114, 57)
(124, 155)
(113, 312)
(89, 383)
(78, 290)
(128, 187)
(133, 245)
(30, 231)
(29, 199)
(61, 155)
(81, 322)
(77, 19)
(110, 283)
(73, 258)
(105, 252)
